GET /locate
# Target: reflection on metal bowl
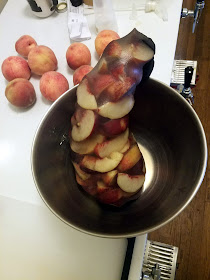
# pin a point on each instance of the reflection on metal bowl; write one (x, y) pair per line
(174, 147)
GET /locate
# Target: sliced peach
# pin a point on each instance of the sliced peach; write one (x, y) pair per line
(130, 184)
(117, 110)
(116, 90)
(126, 147)
(113, 49)
(88, 145)
(134, 70)
(142, 52)
(131, 157)
(110, 196)
(109, 177)
(83, 124)
(115, 127)
(80, 181)
(75, 157)
(82, 174)
(117, 70)
(101, 187)
(102, 66)
(84, 96)
(80, 73)
(98, 82)
(115, 144)
(138, 168)
(86, 185)
(102, 165)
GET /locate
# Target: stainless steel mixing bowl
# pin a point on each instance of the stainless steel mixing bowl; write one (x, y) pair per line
(173, 143)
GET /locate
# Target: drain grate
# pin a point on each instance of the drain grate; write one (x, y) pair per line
(162, 254)
(177, 76)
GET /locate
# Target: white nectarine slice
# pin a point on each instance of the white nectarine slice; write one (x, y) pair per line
(102, 165)
(117, 110)
(84, 97)
(142, 52)
(131, 157)
(115, 144)
(82, 174)
(88, 145)
(84, 124)
(109, 177)
(130, 183)
(126, 147)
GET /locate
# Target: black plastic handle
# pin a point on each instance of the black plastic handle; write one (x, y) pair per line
(188, 76)
(76, 3)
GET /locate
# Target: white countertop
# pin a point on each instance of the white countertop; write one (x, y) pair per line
(30, 232)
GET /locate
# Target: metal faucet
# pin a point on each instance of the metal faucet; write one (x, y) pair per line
(196, 13)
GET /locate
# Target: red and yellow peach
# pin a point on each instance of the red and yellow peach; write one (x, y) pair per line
(80, 73)
(24, 44)
(42, 59)
(52, 85)
(77, 55)
(103, 39)
(20, 93)
(15, 67)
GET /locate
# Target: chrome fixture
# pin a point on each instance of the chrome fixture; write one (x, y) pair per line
(196, 14)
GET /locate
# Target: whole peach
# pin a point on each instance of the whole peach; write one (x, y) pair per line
(20, 92)
(52, 85)
(80, 73)
(77, 55)
(24, 44)
(15, 67)
(103, 39)
(42, 59)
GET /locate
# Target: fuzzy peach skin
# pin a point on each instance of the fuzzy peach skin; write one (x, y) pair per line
(103, 39)
(80, 73)
(24, 44)
(42, 59)
(15, 67)
(77, 55)
(20, 93)
(52, 85)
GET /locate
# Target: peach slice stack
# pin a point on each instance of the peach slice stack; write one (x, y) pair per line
(105, 155)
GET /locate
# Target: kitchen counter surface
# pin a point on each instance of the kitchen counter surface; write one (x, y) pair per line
(34, 243)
